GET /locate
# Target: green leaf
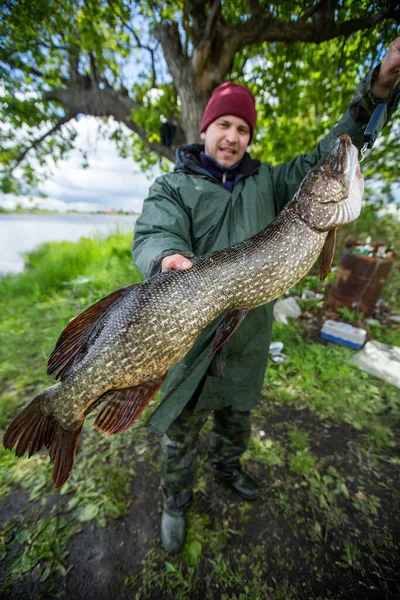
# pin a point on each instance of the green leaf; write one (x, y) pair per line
(170, 567)
(46, 573)
(88, 512)
(22, 536)
(192, 552)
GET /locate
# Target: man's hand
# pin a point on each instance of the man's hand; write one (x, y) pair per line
(390, 64)
(175, 262)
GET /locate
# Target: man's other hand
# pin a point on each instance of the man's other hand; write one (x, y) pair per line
(175, 262)
(390, 65)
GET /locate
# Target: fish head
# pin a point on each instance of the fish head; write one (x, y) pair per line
(330, 195)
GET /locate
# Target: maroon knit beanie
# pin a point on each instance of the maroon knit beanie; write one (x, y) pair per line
(230, 99)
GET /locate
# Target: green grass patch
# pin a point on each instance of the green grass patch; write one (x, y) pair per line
(42, 546)
(61, 280)
(319, 377)
(314, 501)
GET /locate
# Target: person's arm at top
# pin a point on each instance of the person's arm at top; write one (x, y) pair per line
(162, 231)
(370, 91)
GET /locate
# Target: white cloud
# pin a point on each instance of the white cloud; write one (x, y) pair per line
(110, 182)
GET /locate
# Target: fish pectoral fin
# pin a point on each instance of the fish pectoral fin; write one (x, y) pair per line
(34, 430)
(228, 326)
(327, 254)
(74, 337)
(126, 405)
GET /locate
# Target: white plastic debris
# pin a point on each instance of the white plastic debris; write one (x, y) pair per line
(275, 347)
(285, 309)
(380, 360)
(275, 350)
(311, 295)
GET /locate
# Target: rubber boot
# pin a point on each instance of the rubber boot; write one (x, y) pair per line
(239, 481)
(173, 529)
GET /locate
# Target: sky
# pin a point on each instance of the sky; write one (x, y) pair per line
(110, 182)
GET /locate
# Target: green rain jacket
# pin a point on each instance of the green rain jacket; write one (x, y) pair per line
(189, 212)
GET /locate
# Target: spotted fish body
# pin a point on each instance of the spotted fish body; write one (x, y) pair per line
(122, 347)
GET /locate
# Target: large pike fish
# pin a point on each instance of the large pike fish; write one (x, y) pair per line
(120, 349)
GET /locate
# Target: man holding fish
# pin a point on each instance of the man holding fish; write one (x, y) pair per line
(231, 235)
(216, 197)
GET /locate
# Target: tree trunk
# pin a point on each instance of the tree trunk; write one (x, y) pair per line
(192, 109)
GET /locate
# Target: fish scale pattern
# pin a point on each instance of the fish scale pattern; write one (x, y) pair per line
(155, 324)
(120, 349)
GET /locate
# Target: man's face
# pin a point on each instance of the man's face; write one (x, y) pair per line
(226, 140)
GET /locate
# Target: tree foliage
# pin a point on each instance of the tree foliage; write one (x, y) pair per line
(137, 64)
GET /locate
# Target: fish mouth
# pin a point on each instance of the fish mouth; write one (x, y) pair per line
(340, 164)
(344, 161)
(331, 193)
(336, 169)
(340, 159)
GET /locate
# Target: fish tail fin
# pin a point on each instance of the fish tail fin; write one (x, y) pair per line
(33, 430)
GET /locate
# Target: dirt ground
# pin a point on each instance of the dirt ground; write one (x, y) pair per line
(352, 552)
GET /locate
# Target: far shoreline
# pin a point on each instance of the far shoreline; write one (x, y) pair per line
(40, 211)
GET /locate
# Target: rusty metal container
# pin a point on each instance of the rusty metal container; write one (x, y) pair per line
(359, 282)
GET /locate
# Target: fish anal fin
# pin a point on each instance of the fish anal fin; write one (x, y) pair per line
(228, 326)
(327, 254)
(33, 430)
(75, 335)
(62, 453)
(126, 405)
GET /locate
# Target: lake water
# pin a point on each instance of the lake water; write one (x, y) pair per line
(21, 233)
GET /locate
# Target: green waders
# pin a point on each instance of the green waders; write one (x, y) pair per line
(229, 440)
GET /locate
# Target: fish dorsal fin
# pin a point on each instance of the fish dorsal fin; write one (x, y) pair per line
(228, 326)
(75, 335)
(327, 254)
(126, 405)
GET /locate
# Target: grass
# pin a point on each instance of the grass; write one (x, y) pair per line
(324, 446)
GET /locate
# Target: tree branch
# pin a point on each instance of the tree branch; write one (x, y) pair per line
(152, 52)
(341, 56)
(211, 24)
(168, 36)
(107, 103)
(254, 7)
(17, 63)
(73, 63)
(39, 140)
(196, 9)
(311, 10)
(270, 29)
(93, 70)
(51, 46)
(152, 55)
